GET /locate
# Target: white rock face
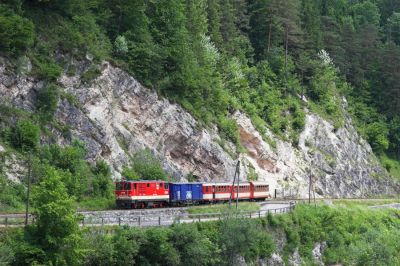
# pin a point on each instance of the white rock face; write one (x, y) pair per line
(120, 116)
(115, 116)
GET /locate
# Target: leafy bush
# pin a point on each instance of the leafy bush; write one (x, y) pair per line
(92, 73)
(45, 67)
(102, 183)
(25, 135)
(16, 33)
(377, 136)
(229, 129)
(46, 101)
(12, 195)
(145, 166)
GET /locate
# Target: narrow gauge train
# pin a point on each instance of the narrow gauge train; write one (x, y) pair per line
(145, 194)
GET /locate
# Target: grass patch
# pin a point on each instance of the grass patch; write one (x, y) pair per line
(366, 202)
(219, 208)
(96, 204)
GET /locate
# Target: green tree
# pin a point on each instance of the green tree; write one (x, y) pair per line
(194, 248)
(366, 12)
(145, 166)
(26, 135)
(102, 183)
(56, 229)
(393, 28)
(16, 33)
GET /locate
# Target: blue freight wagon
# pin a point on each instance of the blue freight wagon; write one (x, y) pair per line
(185, 193)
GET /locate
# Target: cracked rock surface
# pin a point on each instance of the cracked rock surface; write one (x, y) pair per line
(115, 116)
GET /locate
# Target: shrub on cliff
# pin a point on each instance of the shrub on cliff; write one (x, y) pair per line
(16, 32)
(25, 135)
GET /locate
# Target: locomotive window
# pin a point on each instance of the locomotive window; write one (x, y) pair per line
(134, 186)
(127, 186)
(148, 184)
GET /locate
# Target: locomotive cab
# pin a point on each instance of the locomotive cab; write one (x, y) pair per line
(141, 194)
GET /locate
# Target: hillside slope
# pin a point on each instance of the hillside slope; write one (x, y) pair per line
(115, 116)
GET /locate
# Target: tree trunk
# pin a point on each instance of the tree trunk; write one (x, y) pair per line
(286, 45)
(269, 34)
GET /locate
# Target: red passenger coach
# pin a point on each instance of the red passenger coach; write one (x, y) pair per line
(142, 194)
(223, 191)
(259, 190)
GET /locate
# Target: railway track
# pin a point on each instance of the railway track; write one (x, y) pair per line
(262, 203)
(167, 216)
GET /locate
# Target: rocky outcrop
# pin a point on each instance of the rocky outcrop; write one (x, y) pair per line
(338, 162)
(114, 116)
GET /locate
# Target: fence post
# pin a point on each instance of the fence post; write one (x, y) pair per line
(159, 220)
(6, 221)
(119, 221)
(102, 221)
(83, 221)
(250, 214)
(199, 218)
(259, 214)
(139, 221)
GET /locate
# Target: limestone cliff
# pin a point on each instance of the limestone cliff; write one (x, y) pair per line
(114, 115)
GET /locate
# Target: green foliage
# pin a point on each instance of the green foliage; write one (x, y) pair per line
(377, 136)
(229, 129)
(46, 101)
(194, 248)
(391, 165)
(6, 254)
(145, 167)
(223, 208)
(242, 237)
(102, 183)
(25, 135)
(101, 250)
(120, 45)
(252, 175)
(56, 229)
(16, 33)
(90, 74)
(45, 67)
(215, 57)
(353, 235)
(80, 179)
(12, 195)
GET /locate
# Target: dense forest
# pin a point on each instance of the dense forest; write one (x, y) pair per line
(269, 58)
